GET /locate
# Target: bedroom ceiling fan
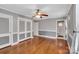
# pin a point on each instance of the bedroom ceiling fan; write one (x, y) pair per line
(39, 14)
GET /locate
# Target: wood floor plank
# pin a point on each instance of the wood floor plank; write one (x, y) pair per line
(38, 45)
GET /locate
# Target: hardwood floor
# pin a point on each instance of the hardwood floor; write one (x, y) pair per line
(38, 45)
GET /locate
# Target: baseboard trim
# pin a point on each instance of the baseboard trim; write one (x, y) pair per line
(47, 30)
(25, 40)
(20, 41)
(69, 46)
(46, 36)
(4, 46)
(14, 43)
(49, 37)
(71, 43)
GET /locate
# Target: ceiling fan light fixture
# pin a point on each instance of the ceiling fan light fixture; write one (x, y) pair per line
(37, 16)
(39, 13)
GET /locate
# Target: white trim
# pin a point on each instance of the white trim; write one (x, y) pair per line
(56, 26)
(76, 42)
(20, 41)
(11, 33)
(11, 30)
(6, 34)
(31, 28)
(4, 45)
(24, 39)
(21, 32)
(46, 36)
(18, 29)
(36, 28)
(48, 30)
(15, 33)
(4, 15)
(21, 19)
(28, 37)
(10, 18)
(12, 11)
(28, 31)
(25, 29)
(14, 43)
(66, 28)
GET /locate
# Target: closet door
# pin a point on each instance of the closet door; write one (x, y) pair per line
(5, 30)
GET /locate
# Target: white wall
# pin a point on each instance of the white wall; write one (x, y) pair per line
(35, 28)
(47, 25)
(9, 33)
(71, 21)
(77, 28)
(47, 28)
(77, 16)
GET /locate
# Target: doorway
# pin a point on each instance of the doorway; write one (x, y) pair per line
(60, 29)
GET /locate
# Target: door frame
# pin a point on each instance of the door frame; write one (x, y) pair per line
(65, 22)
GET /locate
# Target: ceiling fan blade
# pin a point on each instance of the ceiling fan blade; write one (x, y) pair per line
(44, 15)
(39, 13)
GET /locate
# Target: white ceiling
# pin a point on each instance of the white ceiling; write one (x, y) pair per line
(53, 10)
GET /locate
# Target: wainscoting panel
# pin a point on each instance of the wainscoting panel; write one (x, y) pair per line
(15, 38)
(13, 29)
(28, 34)
(21, 36)
(47, 33)
(4, 40)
